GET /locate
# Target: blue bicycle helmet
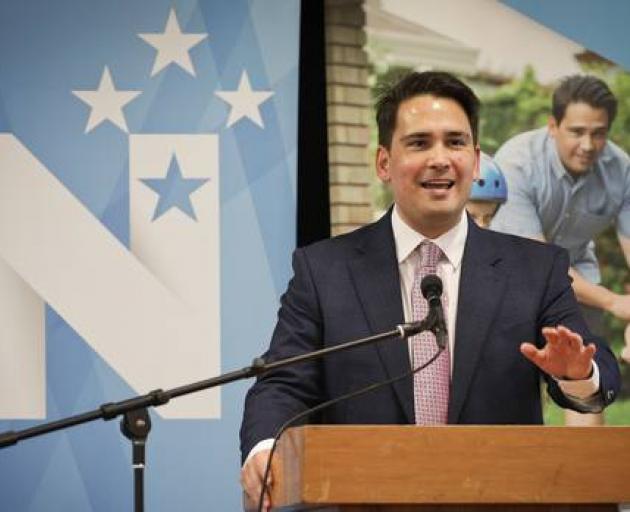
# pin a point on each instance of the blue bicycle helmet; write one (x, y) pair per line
(491, 185)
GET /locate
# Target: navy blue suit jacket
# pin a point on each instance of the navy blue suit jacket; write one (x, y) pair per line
(348, 287)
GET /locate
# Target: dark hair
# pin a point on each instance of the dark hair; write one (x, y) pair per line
(583, 89)
(433, 83)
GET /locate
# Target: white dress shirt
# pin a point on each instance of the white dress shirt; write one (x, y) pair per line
(449, 267)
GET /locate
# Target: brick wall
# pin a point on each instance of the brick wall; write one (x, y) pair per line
(348, 98)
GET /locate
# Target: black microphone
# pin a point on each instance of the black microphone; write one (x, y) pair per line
(431, 287)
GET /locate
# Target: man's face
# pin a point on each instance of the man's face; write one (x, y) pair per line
(431, 163)
(580, 136)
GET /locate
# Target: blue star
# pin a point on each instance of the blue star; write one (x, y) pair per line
(174, 190)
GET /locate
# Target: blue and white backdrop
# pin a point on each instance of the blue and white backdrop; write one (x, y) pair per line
(147, 214)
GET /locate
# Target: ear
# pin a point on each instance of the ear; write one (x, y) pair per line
(382, 164)
(552, 125)
(477, 170)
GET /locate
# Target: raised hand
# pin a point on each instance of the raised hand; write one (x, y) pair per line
(564, 356)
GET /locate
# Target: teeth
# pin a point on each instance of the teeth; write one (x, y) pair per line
(442, 185)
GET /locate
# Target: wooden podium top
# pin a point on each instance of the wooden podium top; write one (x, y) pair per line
(409, 465)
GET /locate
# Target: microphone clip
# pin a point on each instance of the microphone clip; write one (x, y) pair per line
(432, 323)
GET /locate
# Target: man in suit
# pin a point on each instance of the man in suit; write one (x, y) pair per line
(510, 310)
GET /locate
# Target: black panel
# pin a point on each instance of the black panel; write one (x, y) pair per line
(313, 199)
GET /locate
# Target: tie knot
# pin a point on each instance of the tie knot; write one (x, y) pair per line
(429, 254)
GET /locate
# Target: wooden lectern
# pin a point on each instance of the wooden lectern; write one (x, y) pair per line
(452, 468)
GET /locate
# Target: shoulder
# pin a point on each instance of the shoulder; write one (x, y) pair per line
(525, 142)
(613, 155)
(523, 152)
(508, 240)
(526, 251)
(377, 233)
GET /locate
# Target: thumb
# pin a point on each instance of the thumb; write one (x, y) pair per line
(529, 351)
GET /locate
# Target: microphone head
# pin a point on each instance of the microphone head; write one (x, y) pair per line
(431, 286)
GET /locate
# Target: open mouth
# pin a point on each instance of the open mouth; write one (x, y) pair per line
(438, 184)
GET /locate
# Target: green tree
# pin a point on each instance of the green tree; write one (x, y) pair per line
(516, 107)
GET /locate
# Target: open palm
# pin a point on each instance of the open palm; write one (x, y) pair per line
(564, 356)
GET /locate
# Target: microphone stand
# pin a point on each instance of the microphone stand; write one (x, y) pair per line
(136, 423)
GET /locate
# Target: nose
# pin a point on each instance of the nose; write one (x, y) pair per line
(586, 143)
(439, 157)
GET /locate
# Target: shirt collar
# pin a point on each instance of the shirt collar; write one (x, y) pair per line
(451, 243)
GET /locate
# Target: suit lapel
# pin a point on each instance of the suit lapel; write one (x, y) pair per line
(481, 289)
(377, 281)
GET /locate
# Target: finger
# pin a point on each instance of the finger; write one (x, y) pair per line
(254, 495)
(252, 502)
(575, 343)
(568, 342)
(261, 460)
(261, 467)
(565, 331)
(532, 353)
(259, 463)
(251, 482)
(266, 504)
(266, 501)
(574, 339)
(252, 477)
(589, 350)
(551, 335)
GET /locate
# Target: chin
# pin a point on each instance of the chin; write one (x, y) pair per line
(580, 166)
(580, 169)
(442, 216)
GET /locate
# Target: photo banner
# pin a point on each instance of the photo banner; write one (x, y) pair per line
(147, 217)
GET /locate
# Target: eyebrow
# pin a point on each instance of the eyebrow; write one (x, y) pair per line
(428, 135)
(584, 127)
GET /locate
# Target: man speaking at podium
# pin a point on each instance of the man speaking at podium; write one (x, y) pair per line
(509, 307)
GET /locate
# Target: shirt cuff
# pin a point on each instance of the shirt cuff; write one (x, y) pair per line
(580, 389)
(265, 444)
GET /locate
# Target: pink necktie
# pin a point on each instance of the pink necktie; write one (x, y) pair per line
(431, 385)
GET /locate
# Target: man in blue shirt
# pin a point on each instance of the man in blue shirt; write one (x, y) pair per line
(567, 182)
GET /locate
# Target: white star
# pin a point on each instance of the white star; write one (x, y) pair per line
(172, 45)
(244, 101)
(106, 103)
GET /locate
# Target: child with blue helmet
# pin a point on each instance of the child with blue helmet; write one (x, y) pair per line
(488, 192)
